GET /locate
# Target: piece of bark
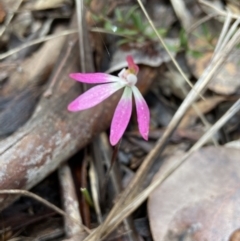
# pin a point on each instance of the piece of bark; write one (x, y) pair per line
(53, 134)
(70, 203)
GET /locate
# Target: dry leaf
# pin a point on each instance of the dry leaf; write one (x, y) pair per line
(233, 144)
(204, 106)
(200, 201)
(234, 6)
(141, 57)
(2, 13)
(37, 67)
(201, 43)
(46, 4)
(227, 81)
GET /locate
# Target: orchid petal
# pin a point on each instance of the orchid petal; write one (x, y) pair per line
(94, 78)
(131, 65)
(143, 113)
(94, 96)
(121, 116)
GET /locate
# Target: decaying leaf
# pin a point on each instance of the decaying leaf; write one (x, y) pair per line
(37, 67)
(204, 106)
(201, 48)
(2, 13)
(227, 81)
(199, 201)
(141, 57)
(234, 6)
(45, 4)
(233, 144)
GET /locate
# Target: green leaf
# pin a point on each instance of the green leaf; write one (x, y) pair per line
(140, 39)
(119, 15)
(162, 31)
(194, 53)
(238, 46)
(108, 26)
(137, 21)
(123, 41)
(206, 32)
(96, 18)
(183, 39)
(173, 48)
(127, 32)
(152, 35)
(130, 12)
(87, 2)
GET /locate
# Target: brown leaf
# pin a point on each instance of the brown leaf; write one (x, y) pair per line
(45, 4)
(204, 106)
(234, 6)
(200, 201)
(37, 67)
(227, 80)
(2, 13)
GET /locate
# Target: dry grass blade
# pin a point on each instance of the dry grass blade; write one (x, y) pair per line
(94, 189)
(43, 201)
(36, 41)
(228, 35)
(225, 28)
(219, 11)
(128, 195)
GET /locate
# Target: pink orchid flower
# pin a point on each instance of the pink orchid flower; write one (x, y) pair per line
(126, 79)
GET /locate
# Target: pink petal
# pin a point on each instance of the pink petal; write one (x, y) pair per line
(94, 96)
(94, 78)
(143, 114)
(121, 116)
(131, 65)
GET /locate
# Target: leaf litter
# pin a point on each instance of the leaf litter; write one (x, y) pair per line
(198, 201)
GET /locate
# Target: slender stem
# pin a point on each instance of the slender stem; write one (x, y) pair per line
(113, 159)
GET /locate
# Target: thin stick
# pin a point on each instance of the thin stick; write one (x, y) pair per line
(70, 202)
(43, 201)
(36, 41)
(9, 18)
(81, 32)
(113, 160)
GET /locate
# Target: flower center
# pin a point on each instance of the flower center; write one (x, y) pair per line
(127, 76)
(131, 79)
